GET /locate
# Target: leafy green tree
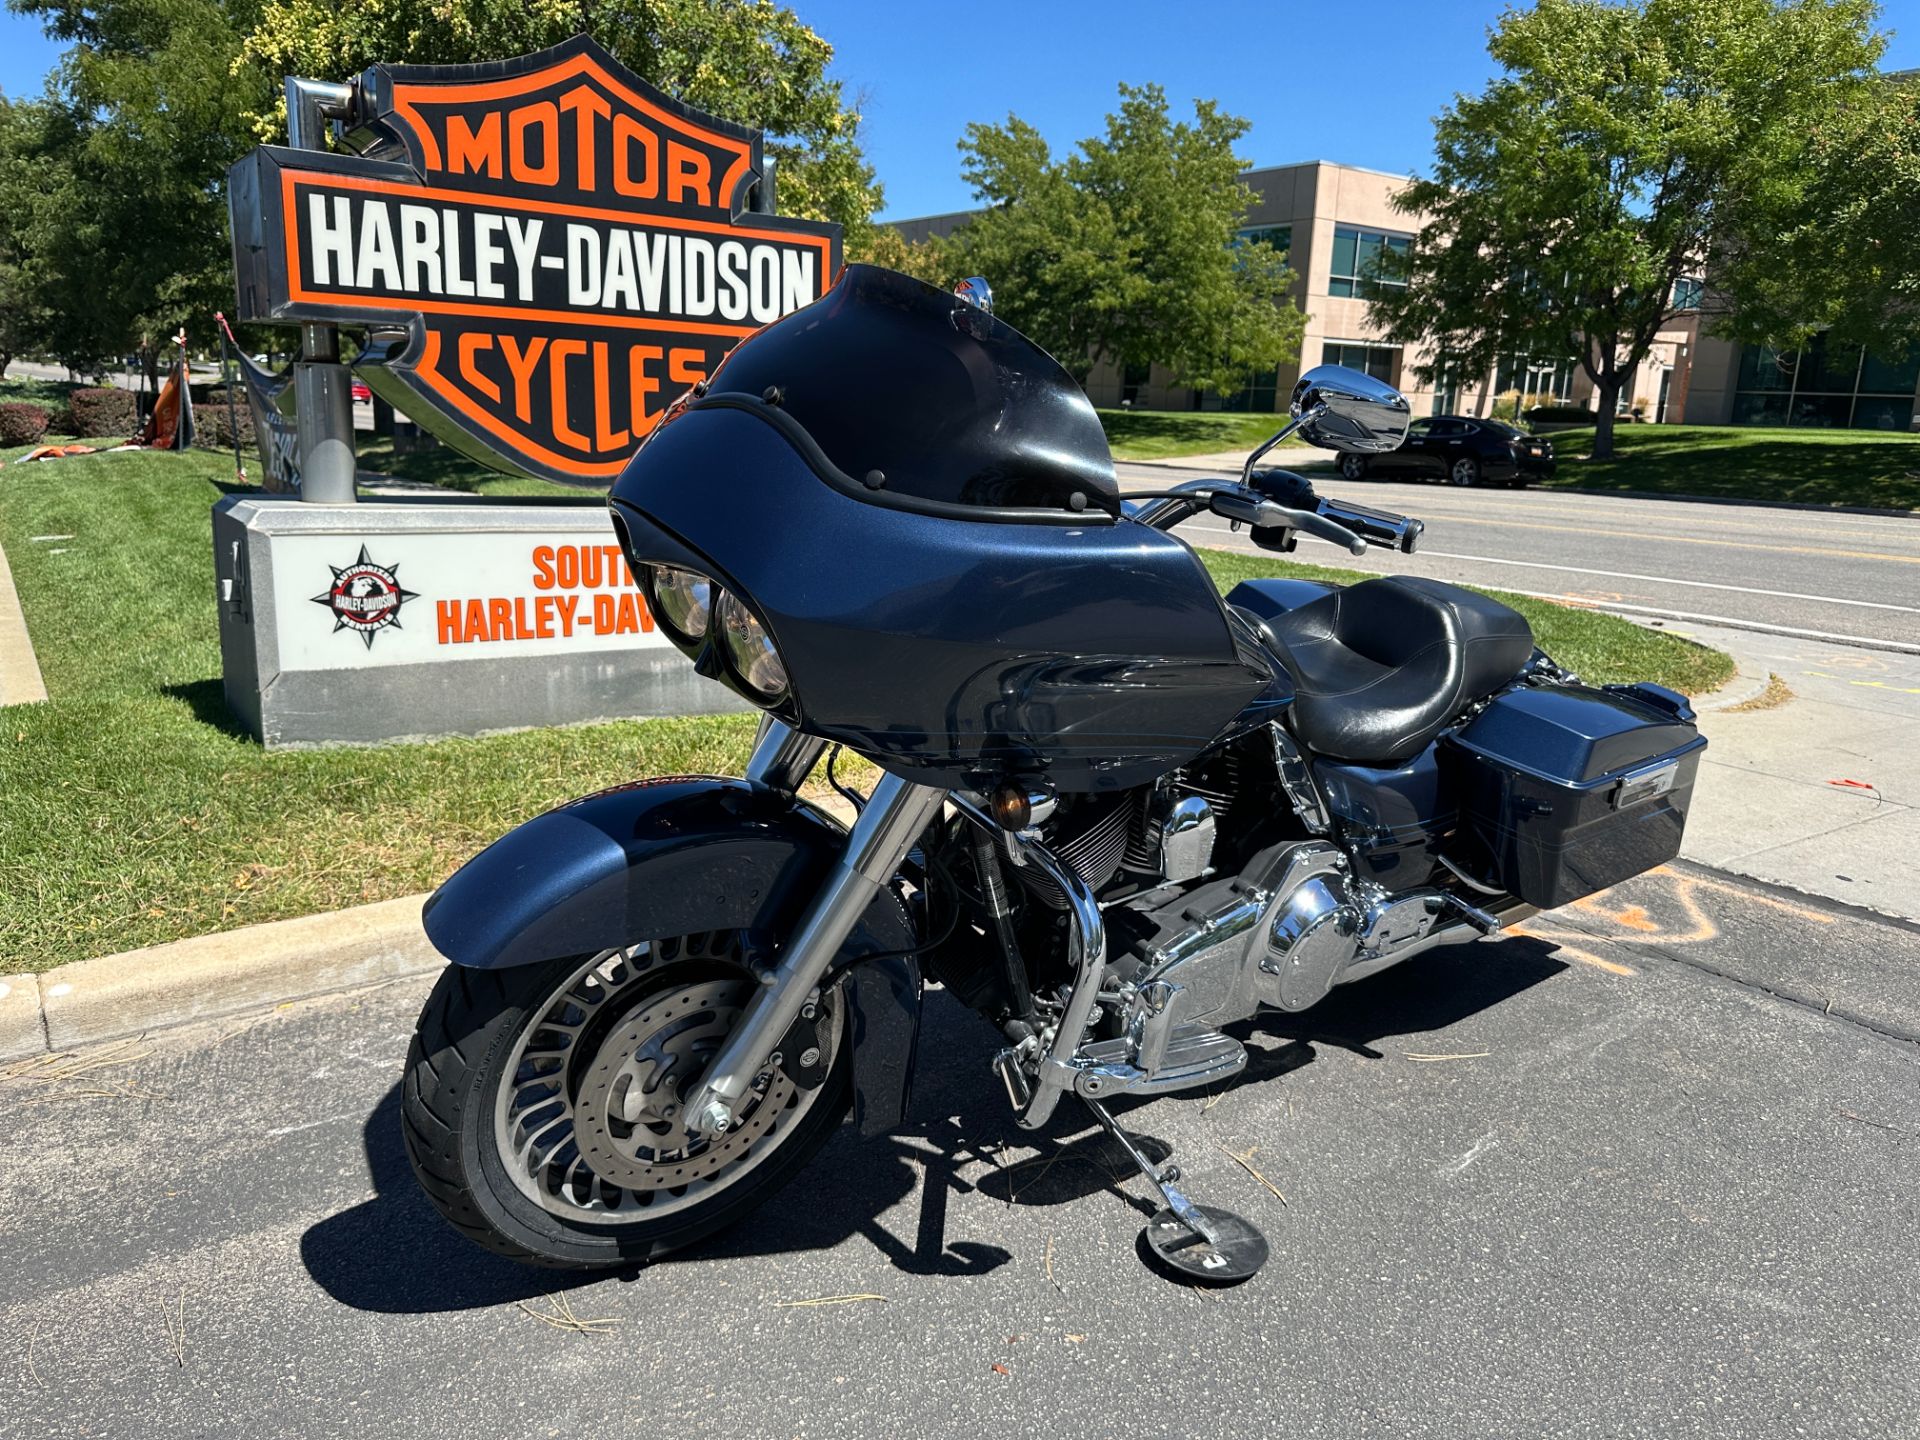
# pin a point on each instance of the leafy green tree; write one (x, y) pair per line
(749, 61)
(129, 228)
(23, 314)
(1844, 253)
(924, 260)
(1127, 249)
(1597, 169)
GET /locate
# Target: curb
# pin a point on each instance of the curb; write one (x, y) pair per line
(20, 679)
(212, 976)
(1750, 680)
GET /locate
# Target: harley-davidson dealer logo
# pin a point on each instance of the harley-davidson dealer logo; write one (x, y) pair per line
(364, 597)
(546, 251)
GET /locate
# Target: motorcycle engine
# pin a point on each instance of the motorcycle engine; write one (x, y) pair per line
(1159, 834)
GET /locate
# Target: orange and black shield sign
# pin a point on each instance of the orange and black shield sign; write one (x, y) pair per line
(544, 252)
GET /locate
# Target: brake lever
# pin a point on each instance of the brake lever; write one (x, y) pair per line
(1265, 515)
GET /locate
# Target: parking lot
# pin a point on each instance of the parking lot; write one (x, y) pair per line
(1647, 1168)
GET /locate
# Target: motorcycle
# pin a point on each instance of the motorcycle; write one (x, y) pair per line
(1115, 814)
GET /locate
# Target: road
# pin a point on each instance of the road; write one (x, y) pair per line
(1650, 1169)
(1851, 578)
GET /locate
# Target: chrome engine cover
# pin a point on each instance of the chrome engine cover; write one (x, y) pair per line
(1217, 955)
(1313, 935)
(1283, 937)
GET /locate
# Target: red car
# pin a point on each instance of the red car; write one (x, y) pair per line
(361, 392)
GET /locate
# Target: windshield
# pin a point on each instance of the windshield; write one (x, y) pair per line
(945, 402)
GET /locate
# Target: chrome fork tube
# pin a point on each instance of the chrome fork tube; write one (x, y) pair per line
(782, 756)
(894, 817)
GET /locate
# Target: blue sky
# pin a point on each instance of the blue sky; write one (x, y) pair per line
(1358, 83)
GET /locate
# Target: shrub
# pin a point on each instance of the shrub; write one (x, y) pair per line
(61, 421)
(102, 413)
(1561, 414)
(211, 430)
(21, 423)
(1506, 406)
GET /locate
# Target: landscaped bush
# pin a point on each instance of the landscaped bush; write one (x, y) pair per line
(22, 423)
(102, 413)
(60, 420)
(211, 429)
(1561, 415)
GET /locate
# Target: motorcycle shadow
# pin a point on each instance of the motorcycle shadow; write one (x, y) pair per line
(393, 1253)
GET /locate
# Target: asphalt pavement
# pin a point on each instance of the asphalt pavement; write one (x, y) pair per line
(1841, 578)
(1651, 1168)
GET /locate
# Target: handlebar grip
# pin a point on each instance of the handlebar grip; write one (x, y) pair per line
(1378, 527)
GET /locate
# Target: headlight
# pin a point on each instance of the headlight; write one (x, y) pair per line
(750, 649)
(682, 599)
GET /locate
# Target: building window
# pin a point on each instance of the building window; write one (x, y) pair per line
(1257, 395)
(1274, 237)
(1688, 292)
(1380, 361)
(1356, 258)
(1133, 381)
(1822, 387)
(1534, 376)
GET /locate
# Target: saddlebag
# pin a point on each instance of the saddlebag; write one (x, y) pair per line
(1565, 790)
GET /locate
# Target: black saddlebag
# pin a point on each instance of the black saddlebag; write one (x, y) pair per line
(1565, 790)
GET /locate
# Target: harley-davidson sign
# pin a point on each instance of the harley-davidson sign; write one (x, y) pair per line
(544, 251)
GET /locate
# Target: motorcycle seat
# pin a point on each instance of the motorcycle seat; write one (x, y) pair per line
(1381, 667)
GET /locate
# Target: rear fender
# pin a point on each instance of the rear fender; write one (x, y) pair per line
(676, 856)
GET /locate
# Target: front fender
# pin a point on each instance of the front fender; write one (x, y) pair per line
(675, 856)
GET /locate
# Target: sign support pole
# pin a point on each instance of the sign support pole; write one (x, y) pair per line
(322, 389)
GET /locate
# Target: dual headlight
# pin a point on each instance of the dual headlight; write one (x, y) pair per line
(689, 606)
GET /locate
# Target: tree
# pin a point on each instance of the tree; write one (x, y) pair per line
(1568, 198)
(144, 115)
(1845, 256)
(23, 312)
(924, 260)
(749, 61)
(1127, 250)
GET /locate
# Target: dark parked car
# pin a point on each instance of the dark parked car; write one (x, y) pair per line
(1460, 450)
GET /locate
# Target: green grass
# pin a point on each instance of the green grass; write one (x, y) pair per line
(34, 391)
(1823, 467)
(1162, 434)
(132, 812)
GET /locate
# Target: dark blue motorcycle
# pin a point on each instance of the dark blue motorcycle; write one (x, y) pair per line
(1116, 814)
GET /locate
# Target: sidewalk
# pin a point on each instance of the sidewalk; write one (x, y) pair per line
(1821, 793)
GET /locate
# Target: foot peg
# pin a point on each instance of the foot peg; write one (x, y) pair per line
(1198, 1242)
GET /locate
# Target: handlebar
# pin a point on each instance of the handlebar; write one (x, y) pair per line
(1278, 499)
(1265, 515)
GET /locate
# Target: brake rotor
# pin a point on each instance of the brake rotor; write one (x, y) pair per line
(629, 1120)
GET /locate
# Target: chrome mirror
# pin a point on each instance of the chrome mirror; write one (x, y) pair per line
(975, 291)
(1345, 410)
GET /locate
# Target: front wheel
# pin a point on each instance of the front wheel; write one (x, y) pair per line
(1353, 467)
(1465, 471)
(542, 1104)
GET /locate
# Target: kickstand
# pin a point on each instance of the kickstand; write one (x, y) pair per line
(1201, 1242)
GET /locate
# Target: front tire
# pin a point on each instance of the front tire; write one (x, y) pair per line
(1353, 467)
(540, 1102)
(1465, 471)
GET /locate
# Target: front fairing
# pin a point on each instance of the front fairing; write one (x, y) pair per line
(948, 649)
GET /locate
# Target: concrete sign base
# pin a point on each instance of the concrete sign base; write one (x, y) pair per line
(387, 621)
